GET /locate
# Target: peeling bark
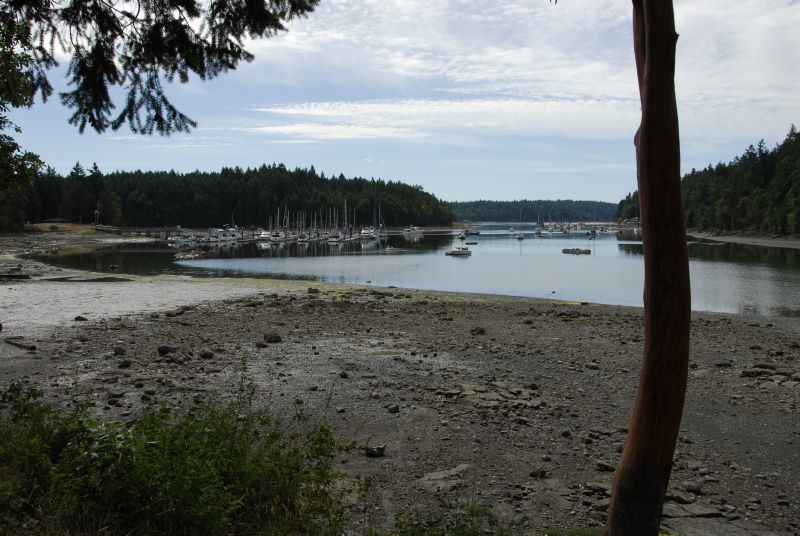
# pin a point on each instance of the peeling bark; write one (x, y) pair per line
(642, 475)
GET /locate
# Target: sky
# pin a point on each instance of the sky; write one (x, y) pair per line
(471, 99)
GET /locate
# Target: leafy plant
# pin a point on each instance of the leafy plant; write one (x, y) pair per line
(219, 469)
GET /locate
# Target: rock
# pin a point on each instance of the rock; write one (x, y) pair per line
(566, 433)
(344, 374)
(340, 410)
(599, 487)
(125, 363)
(394, 408)
(444, 480)
(116, 394)
(592, 366)
(538, 473)
(693, 487)
(478, 331)
(119, 351)
(272, 338)
(680, 497)
(701, 510)
(80, 318)
(205, 353)
(374, 452)
(165, 349)
(312, 290)
(602, 465)
(597, 516)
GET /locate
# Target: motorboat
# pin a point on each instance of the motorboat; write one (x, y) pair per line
(459, 251)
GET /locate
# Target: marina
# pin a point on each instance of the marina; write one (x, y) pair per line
(725, 277)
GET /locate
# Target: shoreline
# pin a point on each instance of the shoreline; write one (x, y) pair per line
(788, 242)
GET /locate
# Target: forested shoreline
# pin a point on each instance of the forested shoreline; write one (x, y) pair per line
(757, 191)
(531, 210)
(246, 197)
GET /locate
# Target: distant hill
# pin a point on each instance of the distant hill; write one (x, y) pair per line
(525, 210)
(757, 191)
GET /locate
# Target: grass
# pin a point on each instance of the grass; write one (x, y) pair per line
(219, 469)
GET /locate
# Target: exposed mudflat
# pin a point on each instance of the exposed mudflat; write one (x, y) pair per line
(515, 403)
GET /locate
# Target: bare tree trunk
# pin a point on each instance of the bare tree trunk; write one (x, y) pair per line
(643, 473)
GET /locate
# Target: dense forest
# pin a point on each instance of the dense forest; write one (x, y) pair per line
(757, 191)
(247, 197)
(510, 211)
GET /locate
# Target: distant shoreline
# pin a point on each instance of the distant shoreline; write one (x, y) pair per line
(754, 239)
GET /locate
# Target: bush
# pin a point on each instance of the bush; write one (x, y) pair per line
(219, 469)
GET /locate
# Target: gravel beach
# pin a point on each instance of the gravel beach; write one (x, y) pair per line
(515, 403)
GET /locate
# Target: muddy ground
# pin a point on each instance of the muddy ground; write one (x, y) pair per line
(516, 403)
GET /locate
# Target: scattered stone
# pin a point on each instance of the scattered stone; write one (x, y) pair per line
(693, 487)
(445, 480)
(165, 349)
(602, 465)
(377, 451)
(272, 338)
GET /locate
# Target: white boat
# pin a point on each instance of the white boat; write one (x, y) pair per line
(459, 251)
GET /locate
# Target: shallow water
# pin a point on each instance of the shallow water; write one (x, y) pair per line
(725, 277)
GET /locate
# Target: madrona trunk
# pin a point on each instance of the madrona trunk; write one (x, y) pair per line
(642, 476)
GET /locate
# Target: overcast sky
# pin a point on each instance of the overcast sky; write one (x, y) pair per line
(472, 99)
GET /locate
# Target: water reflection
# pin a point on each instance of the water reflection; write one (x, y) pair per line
(725, 277)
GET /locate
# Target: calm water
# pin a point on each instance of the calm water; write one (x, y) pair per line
(725, 277)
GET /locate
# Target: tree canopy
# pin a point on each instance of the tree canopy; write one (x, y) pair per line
(758, 190)
(199, 199)
(138, 45)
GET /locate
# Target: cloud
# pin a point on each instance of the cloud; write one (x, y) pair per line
(452, 121)
(326, 131)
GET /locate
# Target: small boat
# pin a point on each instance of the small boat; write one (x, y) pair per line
(470, 232)
(459, 251)
(576, 251)
(471, 243)
(520, 236)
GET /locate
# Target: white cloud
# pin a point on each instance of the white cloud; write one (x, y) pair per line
(454, 121)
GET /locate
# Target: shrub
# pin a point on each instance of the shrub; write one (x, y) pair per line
(218, 469)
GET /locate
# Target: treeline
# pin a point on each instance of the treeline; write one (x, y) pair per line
(246, 196)
(525, 210)
(757, 191)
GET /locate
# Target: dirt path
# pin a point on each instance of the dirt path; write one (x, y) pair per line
(518, 404)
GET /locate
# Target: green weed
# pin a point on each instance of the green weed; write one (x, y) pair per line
(219, 469)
